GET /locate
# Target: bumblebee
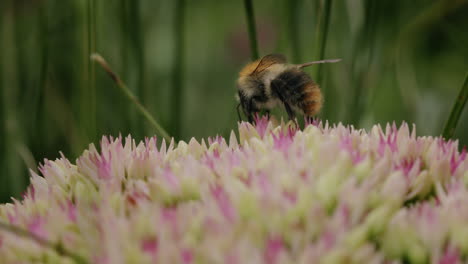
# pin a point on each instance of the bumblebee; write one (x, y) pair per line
(271, 81)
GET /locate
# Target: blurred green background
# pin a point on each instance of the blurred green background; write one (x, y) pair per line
(402, 60)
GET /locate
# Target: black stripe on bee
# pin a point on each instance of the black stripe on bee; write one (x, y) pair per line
(289, 86)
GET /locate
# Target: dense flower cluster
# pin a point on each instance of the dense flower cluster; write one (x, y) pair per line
(274, 194)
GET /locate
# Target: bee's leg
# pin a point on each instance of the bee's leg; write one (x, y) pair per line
(291, 115)
(251, 119)
(268, 114)
(238, 113)
(277, 87)
(289, 111)
(250, 111)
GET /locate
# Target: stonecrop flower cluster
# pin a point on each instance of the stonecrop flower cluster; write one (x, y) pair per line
(274, 194)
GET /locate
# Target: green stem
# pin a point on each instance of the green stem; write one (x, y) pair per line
(323, 37)
(3, 153)
(293, 23)
(249, 11)
(43, 76)
(129, 115)
(366, 38)
(90, 116)
(159, 129)
(57, 247)
(136, 39)
(132, 53)
(457, 109)
(177, 73)
(14, 102)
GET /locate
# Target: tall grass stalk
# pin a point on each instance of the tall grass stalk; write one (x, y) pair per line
(137, 45)
(43, 75)
(129, 116)
(124, 26)
(128, 93)
(322, 19)
(3, 187)
(13, 103)
(19, 31)
(322, 35)
(90, 113)
(457, 109)
(293, 9)
(177, 104)
(250, 14)
(366, 38)
(132, 54)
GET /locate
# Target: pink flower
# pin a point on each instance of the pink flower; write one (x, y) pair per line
(272, 194)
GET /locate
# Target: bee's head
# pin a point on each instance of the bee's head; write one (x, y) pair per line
(247, 106)
(246, 88)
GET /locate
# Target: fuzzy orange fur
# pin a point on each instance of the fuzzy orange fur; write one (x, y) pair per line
(249, 68)
(313, 103)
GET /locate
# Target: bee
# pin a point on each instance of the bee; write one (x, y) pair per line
(271, 81)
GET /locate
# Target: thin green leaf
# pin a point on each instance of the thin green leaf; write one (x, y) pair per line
(293, 9)
(456, 112)
(177, 72)
(4, 187)
(159, 129)
(89, 118)
(249, 11)
(323, 36)
(138, 50)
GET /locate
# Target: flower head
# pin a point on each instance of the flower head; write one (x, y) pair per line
(330, 194)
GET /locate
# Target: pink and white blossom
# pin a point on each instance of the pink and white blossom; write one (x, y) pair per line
(273, 194)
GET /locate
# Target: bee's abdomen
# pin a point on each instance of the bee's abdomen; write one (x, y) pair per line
(312, 103)
(299, 90)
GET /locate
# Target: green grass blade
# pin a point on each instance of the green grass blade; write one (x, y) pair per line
(293, 28)
(131, 48)
(43, 77)
(159, 129)
(323, 36)
(3, 187)
(249, 11)
(322, 14)
(14, 103)
(363, 48)
(456, 112)
(138, 51)
(177, 72)
(90, 116)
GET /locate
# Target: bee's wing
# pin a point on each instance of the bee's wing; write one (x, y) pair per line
(269, 60)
